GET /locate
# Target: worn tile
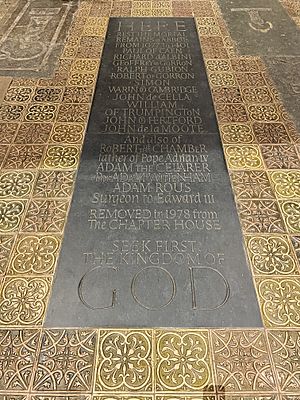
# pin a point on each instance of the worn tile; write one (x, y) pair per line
(61, 157)
(18, 352)
(24, 156)
(41, 113)
(296, 245)
(183, 361)
(280, 156)
(67, 133)
(124, 361)
(16, 184)
(236, 133)
(90, 47)
(271, 255)
(255, 79)
(73, 113)
(285, 350)
(78, 94)
(263, 112)
(251, 185)
(279, 300)
(256, 95)
(8, 131)
(227, 95)
(270, 132)
(243, 157)
(286, 183)
(34, 255)
(54, 184)
(221, 65)
(45, 216)
(23, 300)
(33, 133)
(47, 95)
(291, 214)
(66, 361)
(244, 64)
(231, 112)
(213, 47)
(18, 94)
(260, 216)
(225, 79)
(242, 361)
(11, 213)
(6, 245)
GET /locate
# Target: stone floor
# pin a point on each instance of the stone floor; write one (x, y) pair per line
(42, 125)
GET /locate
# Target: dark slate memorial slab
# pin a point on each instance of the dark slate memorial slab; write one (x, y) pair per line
(261, 27)
(153, 237)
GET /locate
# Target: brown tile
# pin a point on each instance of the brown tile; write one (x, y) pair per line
(73, 113)
(3, 152)
(41, 113)
(226, 95)
(77, 94)
(7, 132)
(34, 255)
(260, 216)
(51, 184)
(271, 255)
(66, 361)
(24, 156)
(18, 352)
(213, 47)
(47, 95)
(121, 9)
(6, 245)
(243, 64)
(280, 156)
(183, 361)
(250, 79)
(218, 65)
(285, 350)
(18, 94)
(279, 300)
(11, 112)
(33, 133)
(124, 361)
(90, 47)
(23, 301)
(82, 79)
(45, 216)
(251, 185)
(181, 8)
(231, 113)
(242, 362)
(101, 8)
(202, 9)
(270, 132)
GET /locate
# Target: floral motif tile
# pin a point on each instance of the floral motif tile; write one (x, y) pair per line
(61, 157)
(11, 112)
(243, 157)
(285, 350)
(242, 362)
(11, 214)
(251, 185)
(124, 361)
(67, 133)
(41, 113)
(280, 156)
(66, 361)
(291, 214)
(286, 183)
(23, 301)
(183, 361)
(296, 245)
(18, 95)
(16, 184)
(279, 300)
(260, 216)
(54, 184)
(34, 255)
(271, 255)
(45, 216)
(47, 95)
(18, 352)
(236, 133)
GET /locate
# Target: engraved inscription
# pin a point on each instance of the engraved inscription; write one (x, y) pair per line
(258, 21)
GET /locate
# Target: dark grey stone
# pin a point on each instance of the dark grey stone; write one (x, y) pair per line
(285, 72)
(153, 237)
(261, 27)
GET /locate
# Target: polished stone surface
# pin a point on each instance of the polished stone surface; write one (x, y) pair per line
(146, 243)
(261, 27)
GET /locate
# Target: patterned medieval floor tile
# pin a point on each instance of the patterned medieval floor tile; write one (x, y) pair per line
(67, 133)
(231, 113)
(251, 185)
(23, 301)
(24, 156)
(16, 184)
(263, 113)
(250, 396)
(296, 245)
(78, 94)
(279, 300)
(132, 396)
(47, 95)
(253, 95)
(11, 396)
(183, 362)
(11, 112)
(286, 183)
(33, 133)
(271, 132)
(34, 255)
(73, 113)
(61, 157)
(291, 214)
(260, 216)
(243, 157)
(7, 132)
(18, 95)
(18, 352)
(66, 361)
(280, 156)
(242, 362)
(213, 47)
(271, 255)
(6, 246)
(237, 134)
(285, 350)
(54, 184)
(124, 361)
(45, 216)
(60, 396)
(41, 112)
(11, 215)
(183, 396)
(226, 94)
